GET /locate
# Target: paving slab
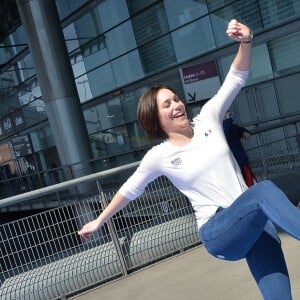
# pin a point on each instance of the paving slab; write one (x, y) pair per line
(195, 275)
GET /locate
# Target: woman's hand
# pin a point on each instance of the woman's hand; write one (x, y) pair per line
(238, 31)
(88, 229)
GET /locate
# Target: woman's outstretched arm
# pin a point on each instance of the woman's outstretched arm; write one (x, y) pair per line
(241, 33)
(116, 204)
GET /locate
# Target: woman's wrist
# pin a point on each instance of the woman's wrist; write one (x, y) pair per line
(249, 39)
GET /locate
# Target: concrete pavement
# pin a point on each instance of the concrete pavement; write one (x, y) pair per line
(195, 275)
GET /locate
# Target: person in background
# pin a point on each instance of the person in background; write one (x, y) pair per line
(234, 222)
(234, 133)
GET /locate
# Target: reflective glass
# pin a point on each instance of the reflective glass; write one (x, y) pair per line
(120, 40)
(103, 116)
(288, 103)
(158, 54)
(92, 120)
(101, 80)
(8, 79)
(275, 12)
(116, 140)
(193, 39)
(29, 91)
(127, 68)
(65, 7)
(181, 12)
(214, 4)
(88, 27)
(42, 138)
(150, 24)
(71, 37)
(18, 39)
(260, 69)
(94, 53)
(285, 54)
(83, 88)
(135, 5)
(137, 136)
(248, 14)
(129, 102)
(34, 112)
(98, 145)
(266, 101)
(112, 12)
(25, 68)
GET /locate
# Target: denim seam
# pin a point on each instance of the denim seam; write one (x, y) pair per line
(241, 217)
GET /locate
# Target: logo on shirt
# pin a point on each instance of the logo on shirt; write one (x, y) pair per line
(176, 162)
(208, 132)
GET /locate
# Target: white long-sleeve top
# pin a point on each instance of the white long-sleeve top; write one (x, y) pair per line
(204, 170)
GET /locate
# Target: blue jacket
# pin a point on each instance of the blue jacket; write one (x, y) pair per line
(233, 134)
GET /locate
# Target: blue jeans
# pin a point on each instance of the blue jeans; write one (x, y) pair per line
(245, 230)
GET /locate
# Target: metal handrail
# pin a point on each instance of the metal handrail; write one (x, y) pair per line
(62, 185)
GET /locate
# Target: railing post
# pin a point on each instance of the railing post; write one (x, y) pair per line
(113, 231)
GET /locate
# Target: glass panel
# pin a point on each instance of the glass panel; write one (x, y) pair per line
(98, 145)
(260, 68)
(42, 138)
(94, 53)
(193, 39)
(129, 102)
(135, 5)
(88, 27)
(28, 91)
(112, 12)
(25, 68)
(120, 40)
(83, 88)
(18, 38)
(101, 80)
(137, 136)
(267, 105)
(248, 14)
(8, 80)
(67, 6)
(92, 120)
(245, 107)
(127, 68)
(150, 24)
(284, 54)
(103, 116)
(274, 12)
(71, 37)
(158, 55)
(181, 12)
(116, 140)
(34, 112)
(286, 95)
(214, 4)
(9, 17)
(77, 63)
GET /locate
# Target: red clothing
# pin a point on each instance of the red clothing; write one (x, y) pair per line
(248, 175)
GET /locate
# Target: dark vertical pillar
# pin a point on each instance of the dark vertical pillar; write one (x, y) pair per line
(54, 72)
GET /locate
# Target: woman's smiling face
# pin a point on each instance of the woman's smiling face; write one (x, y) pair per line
(171, 111)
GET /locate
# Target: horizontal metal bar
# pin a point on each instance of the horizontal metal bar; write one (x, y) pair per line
(60, 186)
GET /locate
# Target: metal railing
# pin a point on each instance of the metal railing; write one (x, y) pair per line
(42, 257)
(275, 148)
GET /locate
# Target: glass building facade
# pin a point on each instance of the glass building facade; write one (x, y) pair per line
(118, 48)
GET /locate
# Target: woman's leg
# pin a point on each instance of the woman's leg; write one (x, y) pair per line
(232, 232)
(244, 230)
(268, 267)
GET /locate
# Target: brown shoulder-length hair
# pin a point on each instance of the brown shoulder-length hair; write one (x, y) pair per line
(147, 113)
